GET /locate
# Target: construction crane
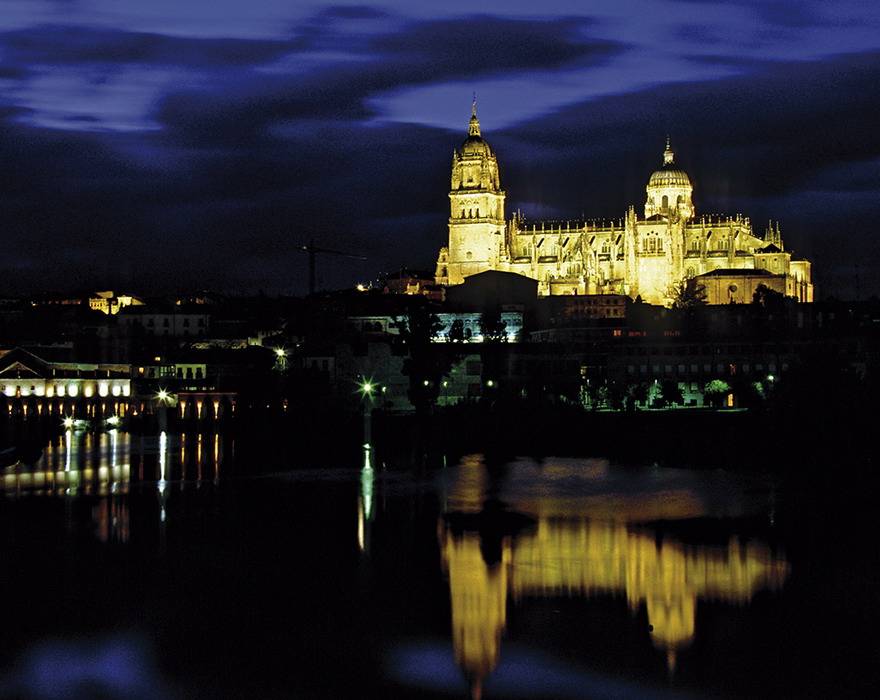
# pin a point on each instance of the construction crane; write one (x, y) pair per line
(311, 249)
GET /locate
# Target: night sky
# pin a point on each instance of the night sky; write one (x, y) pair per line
(174, 145)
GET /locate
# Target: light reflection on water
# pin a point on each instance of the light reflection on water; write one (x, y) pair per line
(589, 536)
(107, 464)
(530, 531)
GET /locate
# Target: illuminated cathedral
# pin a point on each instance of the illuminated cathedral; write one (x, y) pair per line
(652, 256)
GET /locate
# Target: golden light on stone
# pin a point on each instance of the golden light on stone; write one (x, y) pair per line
(648, 256)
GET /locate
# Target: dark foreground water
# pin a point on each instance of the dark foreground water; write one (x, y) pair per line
(150, 567)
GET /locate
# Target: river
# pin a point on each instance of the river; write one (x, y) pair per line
(160, 566)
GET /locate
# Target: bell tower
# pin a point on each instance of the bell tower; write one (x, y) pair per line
(476, 209)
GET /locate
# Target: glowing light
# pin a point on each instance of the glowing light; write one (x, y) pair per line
(367, 387)
(113, 420)
(281, 352)
(162, 395)
(67, 422)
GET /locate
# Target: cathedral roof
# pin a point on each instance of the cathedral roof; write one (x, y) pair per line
(669, 175)
(739, 272)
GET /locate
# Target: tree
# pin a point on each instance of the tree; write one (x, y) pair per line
(639, 394)
(423, 365)
(492, 327)
(670, 393)
(687, 294)
(594, 393)
(768, 298)
(715, 392)
(456, 332)
(494, 332)
(427, 362)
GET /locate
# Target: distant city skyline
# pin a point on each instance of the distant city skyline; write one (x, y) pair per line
(162, 146)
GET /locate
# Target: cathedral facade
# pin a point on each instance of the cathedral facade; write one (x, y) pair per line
(653, 256)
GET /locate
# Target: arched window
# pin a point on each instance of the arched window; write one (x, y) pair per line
(665, 202)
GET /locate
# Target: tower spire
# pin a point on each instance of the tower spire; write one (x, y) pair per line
(474, 129)
(667, 154)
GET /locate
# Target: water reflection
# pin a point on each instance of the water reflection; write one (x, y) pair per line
(587, 538)
(365, 499)
(105, 465)
(77, 462)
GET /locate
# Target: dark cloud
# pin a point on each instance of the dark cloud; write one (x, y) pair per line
(359, 12)
(425, 53)
(487, 45)
(244, 171)
(785, 13)
(72, 45)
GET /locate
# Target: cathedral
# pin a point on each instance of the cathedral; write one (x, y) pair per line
(654, 256)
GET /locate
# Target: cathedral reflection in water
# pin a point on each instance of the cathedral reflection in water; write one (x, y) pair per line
(592, 553)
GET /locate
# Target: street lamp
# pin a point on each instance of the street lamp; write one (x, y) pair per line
(280, 359)
(366, 389)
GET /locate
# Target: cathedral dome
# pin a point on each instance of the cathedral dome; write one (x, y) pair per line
(669, 190)
(670, 175)
(474, 144)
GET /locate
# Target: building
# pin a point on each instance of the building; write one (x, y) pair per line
(42, 387)
(650, 256)
(177, 322)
